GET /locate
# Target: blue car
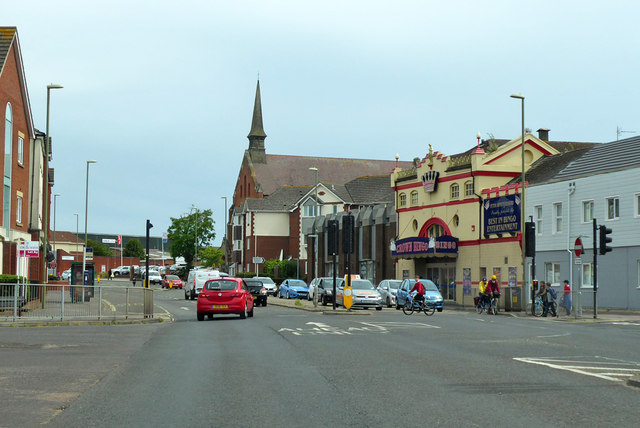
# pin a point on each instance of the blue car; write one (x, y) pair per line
(293, 289)
(431, 293)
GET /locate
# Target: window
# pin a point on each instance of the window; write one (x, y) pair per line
(435, 231)
(637, 214)
(414, 198)
(308, 208)
(538, 215)
(586, 275)
(638, 273)
(552, 273)
(455, 191)
(468, 188)
(20, 150)
(335, 209)
(587, 211)
(557, 218)
(19, 208)
(403, 199)
(8, 139)
(613, 208)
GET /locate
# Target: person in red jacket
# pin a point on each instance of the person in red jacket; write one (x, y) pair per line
(493, 288)
(418, 288)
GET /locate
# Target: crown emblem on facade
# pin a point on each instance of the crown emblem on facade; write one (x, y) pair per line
(430, 181)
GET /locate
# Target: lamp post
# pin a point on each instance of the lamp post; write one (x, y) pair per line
(225, 231)
(77, 235)
(195, 244)
(86, 208)
(47, 199)
(55, 198)
(522, 200)
(315, 225)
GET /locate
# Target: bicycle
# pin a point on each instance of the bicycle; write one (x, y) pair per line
(423, 305)
(538, 308)
(481, 305)
(493, 305)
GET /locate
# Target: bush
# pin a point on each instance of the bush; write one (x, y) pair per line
(12, 279)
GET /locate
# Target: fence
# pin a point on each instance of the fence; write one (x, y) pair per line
(42, 301)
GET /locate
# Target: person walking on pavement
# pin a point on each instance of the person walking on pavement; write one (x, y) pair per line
(549, 298)
(566, 297)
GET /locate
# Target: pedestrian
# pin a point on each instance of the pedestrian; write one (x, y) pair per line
(134, 280)
(566, 297)
(110, 274)
(549, 300)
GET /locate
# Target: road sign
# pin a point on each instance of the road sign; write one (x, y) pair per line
(347, 297)
(578, 261)
(577, 247)
(119, 239)
(108, 241)
(258, 260)
(89, 253)
(164, 238)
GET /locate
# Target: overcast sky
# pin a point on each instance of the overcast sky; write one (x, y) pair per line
(161, 93)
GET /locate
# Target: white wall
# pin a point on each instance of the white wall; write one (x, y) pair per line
(272, 224)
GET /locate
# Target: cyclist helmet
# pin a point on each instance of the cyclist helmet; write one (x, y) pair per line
(484, 278)
(494, 277)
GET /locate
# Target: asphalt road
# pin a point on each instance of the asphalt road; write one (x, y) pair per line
(287, 367)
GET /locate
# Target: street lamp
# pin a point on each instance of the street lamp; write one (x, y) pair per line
(45, 217)
(195, 244)
(86, 208)
(225, 232)
(55, 198)
(315, 225)
(522, 199)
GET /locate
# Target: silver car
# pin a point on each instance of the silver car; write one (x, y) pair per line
(388, 289)
(268, 284)
(364, 294)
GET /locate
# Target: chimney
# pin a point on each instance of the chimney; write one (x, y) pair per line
(543, 134)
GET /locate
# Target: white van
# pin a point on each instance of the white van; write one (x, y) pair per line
(196, 280)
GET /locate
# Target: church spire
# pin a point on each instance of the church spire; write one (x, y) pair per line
(257, 135)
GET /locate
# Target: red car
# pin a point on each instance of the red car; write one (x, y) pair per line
(168, 279)
(225, 296)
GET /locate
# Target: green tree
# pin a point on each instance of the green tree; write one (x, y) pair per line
(191, 231)
(212, 256)
(99, 249)
(133, 249)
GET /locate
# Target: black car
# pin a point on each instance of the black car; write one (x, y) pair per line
(257, 290)
(325, 290)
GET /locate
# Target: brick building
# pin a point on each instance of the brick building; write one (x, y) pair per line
(22, 157)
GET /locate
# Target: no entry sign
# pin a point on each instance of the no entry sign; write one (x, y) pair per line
(577, 247)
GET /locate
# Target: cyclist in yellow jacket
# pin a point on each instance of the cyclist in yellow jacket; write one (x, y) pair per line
(482, 291)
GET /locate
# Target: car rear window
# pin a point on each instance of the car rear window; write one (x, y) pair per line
(174, 277)
(221, 285)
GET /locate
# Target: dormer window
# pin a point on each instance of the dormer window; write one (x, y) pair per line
(309, 208)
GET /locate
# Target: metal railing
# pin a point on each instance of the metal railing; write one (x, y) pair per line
(63, 302)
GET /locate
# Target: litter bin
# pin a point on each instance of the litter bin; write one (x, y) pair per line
(513, 299)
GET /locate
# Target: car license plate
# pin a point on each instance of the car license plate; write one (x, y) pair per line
(220, 306)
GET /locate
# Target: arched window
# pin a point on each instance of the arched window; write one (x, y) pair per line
(455, 191)
(414, 197)
(468, 188)
(403, 200)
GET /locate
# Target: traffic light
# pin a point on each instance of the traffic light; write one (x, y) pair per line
(347, 234)
(332, 238)
(530, 239)
(605, 239)
(535, 285)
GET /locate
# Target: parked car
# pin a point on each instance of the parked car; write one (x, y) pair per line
(257, 290)
(388, 289)
(121, 271)
(325, 290)
(171, 281)
(293, 288)
(431, 293)
(196, 280)
(154, 277)
(224, 296)
(268, 284)
(313, 287)
(364, 294)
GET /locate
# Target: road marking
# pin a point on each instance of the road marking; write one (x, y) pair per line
(625, 323)
(600, 367)
(185, 308)
(553, 335)
(320, 328)
(111, 306)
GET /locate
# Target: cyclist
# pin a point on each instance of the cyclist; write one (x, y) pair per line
(418, 288)
(482, 291)
(493, 289)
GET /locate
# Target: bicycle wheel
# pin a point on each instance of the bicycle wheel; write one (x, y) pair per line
(538, 308)
(407, 308)
(494, 307)
(428, 308)
(479, 307)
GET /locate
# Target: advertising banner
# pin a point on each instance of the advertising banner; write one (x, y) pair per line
(425, 246)
(502, 215)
